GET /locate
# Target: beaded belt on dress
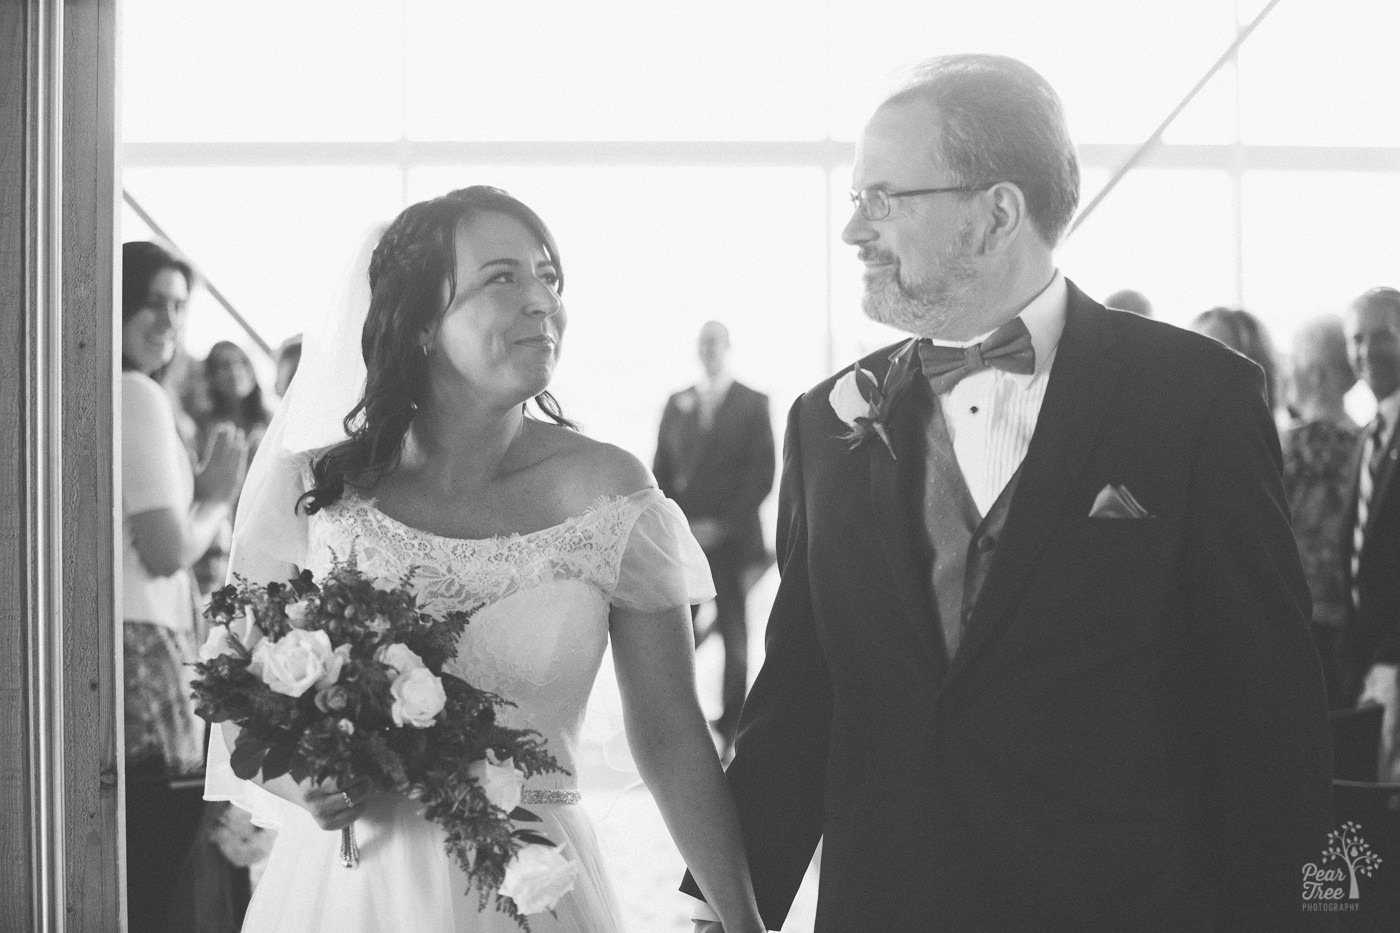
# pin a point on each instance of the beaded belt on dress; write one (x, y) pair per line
(560, 797)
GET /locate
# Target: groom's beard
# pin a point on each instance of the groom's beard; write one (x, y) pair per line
(924, 306)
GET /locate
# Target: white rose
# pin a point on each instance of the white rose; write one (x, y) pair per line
(296, 662)
(400, 657)
(338, 658)
(418, 698)
(537, 877)
(219, 643)
(847, 400)
(500, 780)
(296, 612)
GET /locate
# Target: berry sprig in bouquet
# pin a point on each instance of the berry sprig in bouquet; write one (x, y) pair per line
(339, 680)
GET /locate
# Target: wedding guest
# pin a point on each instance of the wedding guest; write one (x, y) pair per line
(1125, 299)
(220, 871)
(1039, 658)
(1318, 455)
(232, 396)
(1245, 334)
(714, 457)
(169, 515)
(1370, 643)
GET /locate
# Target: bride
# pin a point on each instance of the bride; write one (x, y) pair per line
(564, 543)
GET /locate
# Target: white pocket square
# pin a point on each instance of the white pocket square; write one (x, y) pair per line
(1115, 501)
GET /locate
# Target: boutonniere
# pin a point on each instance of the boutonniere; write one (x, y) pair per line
(866, 405)
(685, 402)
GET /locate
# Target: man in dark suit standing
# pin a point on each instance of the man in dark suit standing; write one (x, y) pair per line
(1371, 631)
(1039, 659)
(714, 457)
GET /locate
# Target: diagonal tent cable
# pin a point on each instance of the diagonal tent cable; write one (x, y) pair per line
(1155, 138)
(209, 286)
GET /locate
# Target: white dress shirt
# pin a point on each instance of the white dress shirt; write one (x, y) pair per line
(991, 414)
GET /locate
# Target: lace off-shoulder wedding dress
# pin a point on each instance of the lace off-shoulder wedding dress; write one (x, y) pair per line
(537, 640)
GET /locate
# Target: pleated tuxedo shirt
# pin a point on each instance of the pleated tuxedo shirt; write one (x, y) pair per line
(991, 414)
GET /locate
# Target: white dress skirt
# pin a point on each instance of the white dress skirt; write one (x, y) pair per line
(537, 640)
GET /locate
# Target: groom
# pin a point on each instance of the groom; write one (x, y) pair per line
(1040, 658)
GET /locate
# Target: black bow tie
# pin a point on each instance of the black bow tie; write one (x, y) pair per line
(1008, 348)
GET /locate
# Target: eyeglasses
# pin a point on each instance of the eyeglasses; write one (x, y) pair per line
(874, 203)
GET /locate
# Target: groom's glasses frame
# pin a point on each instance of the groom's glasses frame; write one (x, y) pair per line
(874, 203)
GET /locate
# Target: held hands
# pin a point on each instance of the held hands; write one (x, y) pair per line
(220, 472)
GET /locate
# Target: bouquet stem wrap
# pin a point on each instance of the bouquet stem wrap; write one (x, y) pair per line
(349, 849)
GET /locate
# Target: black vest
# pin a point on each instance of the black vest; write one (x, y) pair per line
(962, 542)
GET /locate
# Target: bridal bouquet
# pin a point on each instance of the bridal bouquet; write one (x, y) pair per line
(339, 680)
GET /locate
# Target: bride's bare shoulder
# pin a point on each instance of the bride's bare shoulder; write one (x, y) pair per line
(589, 468)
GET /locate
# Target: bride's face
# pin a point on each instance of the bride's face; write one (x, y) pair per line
(502, 333)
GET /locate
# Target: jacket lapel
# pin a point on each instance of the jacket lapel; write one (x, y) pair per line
(692, 435)
(1081, 385)
(1385, 477)
(895, 497)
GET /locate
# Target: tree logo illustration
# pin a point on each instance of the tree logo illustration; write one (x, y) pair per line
(1347, 846)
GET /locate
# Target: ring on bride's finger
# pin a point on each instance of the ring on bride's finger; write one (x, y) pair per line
(349, 803)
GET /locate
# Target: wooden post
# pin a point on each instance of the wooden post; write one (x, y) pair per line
(59, 773)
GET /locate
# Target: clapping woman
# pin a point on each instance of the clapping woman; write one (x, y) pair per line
(233, 398)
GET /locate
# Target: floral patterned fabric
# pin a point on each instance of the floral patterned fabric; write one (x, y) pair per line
(160, 721)
(1317, 461)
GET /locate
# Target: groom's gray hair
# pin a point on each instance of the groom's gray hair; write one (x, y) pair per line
(1001, 121)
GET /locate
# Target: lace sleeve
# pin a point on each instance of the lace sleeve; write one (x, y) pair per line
(661, 566)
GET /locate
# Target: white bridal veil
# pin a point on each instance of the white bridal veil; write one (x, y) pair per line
(267, 533)
(269, 537)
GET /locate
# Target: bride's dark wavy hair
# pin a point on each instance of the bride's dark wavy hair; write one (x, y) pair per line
(414, 257)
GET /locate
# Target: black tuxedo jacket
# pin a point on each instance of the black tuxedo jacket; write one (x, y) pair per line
(1371, 633)
(723, 473)
(1133, 733)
